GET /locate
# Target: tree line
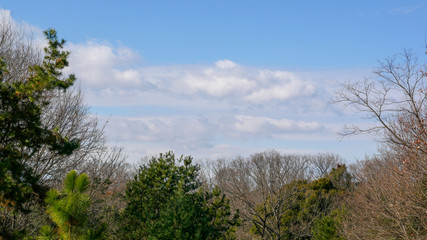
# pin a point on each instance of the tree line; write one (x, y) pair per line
(59, 179)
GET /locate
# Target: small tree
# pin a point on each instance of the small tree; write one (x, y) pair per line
(165, 201)
(68, 209)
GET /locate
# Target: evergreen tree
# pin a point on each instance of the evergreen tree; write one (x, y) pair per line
(312, 210)
(201, 215)
(165, 201)
(328, 227)
(68, 209)
(22, 133)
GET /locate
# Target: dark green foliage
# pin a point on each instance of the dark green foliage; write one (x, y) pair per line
(327, 227)
(315, 201)
(151, 189)
(201, 215)
(166, 201)
(21, 132)
(309, 211)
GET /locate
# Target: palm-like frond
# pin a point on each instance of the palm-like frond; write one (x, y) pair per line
(82, 183)
(70, 181)
(69, 209)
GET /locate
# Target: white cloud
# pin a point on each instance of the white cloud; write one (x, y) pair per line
(183, 130)
(225, 64)
(269, 126)
(282, 92)
(193, 132)
(100, 66)
(287, 85)
(223, 79)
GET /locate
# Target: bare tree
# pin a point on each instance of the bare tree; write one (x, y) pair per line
(321, 164)
(390, 201)
(396, 100)
(17, 48)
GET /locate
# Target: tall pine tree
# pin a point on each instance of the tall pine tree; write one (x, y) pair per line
(22, 133)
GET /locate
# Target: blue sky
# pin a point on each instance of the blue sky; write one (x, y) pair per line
(224, 78)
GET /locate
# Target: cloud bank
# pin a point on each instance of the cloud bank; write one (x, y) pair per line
(219, 109)
(101, 66)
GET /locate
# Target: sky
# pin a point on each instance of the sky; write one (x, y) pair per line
(218, 79)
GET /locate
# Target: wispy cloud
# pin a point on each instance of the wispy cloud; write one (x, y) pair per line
(29, 33)
(280, 85)
(408, 9)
